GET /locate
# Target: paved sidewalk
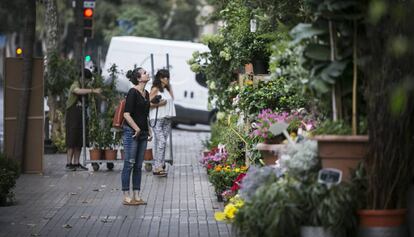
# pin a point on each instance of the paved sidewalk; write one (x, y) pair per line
(87, 203)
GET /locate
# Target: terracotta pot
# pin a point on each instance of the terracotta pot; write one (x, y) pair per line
(110, 154)
(275, 140)
(270, 152)
(342, 152)
(148, 154)
(382, 218)
(95, 154)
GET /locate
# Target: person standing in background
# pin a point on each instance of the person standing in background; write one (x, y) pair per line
(136, 134)
(73, 121)
(161, 117)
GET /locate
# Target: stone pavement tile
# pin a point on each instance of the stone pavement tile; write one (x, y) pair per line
(90, 203)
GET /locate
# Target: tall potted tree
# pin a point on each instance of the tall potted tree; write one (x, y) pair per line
(331, 57)
(390, 119)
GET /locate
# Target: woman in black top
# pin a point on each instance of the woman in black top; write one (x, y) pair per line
(136, 134)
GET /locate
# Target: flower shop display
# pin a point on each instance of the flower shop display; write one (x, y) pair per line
(230, 210)
(281, 205)
(223, 176)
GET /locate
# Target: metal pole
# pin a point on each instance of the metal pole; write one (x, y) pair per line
(152, 66)
(83, 102)
(98, 65)
(171, 143)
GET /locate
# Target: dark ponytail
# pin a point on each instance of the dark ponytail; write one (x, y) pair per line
(134, 75)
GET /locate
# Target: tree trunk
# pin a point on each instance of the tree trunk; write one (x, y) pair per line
(336, 94)
(28, 39)
(52, 47)
(390, 93)
(51, 23)
(77, 45)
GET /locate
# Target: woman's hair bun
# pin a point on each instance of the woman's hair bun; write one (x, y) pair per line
(129, 74)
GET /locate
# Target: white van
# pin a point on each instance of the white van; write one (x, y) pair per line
(190, 91)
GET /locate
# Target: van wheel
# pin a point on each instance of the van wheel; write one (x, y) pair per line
(109, 166)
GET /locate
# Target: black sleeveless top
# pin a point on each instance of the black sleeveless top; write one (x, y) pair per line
(138, 107)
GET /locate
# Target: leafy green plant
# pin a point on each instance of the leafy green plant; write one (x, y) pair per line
(274, 94)
(222, 177)
(330, 53)
(9, 172)
(274, 210)
(100, 122)
(255, 178)
(333, 128)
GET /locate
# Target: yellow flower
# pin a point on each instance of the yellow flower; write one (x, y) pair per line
(248, 82)
(219, 216)
(217, 168)
(230, 210)
(237, 170)
(243, 168)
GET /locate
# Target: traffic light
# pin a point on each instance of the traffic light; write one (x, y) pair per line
(88, 58)
(88, 12)
(19, 51)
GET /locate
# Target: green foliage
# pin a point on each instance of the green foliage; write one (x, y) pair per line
(59, 77)
(9, 172)
(275, 94)
(224, 132)
(222, 179)
(100, 122)
(273, 211)
(333, 208)
(333, 128)
(134, 21)
(296, 199)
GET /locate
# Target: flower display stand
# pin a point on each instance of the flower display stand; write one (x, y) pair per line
(270, 152)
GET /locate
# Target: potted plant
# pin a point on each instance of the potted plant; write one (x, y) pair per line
(273, 144)
(340, 151)
(9, 172)
(330, 55)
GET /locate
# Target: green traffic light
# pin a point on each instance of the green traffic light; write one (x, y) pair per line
(88, 58)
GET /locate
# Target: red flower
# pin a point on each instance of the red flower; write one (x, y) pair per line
(237, 182)
(209, 166)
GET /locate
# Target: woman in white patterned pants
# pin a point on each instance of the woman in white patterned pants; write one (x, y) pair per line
(162, 110)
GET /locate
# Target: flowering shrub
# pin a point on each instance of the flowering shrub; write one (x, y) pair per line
(215, 157)
(230, 210)
(267, 118)
(223, 176)
(229, 193)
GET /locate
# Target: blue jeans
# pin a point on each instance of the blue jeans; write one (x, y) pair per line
(134, 156)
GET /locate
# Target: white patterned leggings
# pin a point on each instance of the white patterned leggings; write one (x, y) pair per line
(161, 133)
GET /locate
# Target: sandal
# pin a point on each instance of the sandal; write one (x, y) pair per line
(129, 202)
(161, 173)
(140, 201)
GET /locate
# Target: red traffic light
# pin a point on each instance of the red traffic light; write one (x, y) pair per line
(88, 12)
